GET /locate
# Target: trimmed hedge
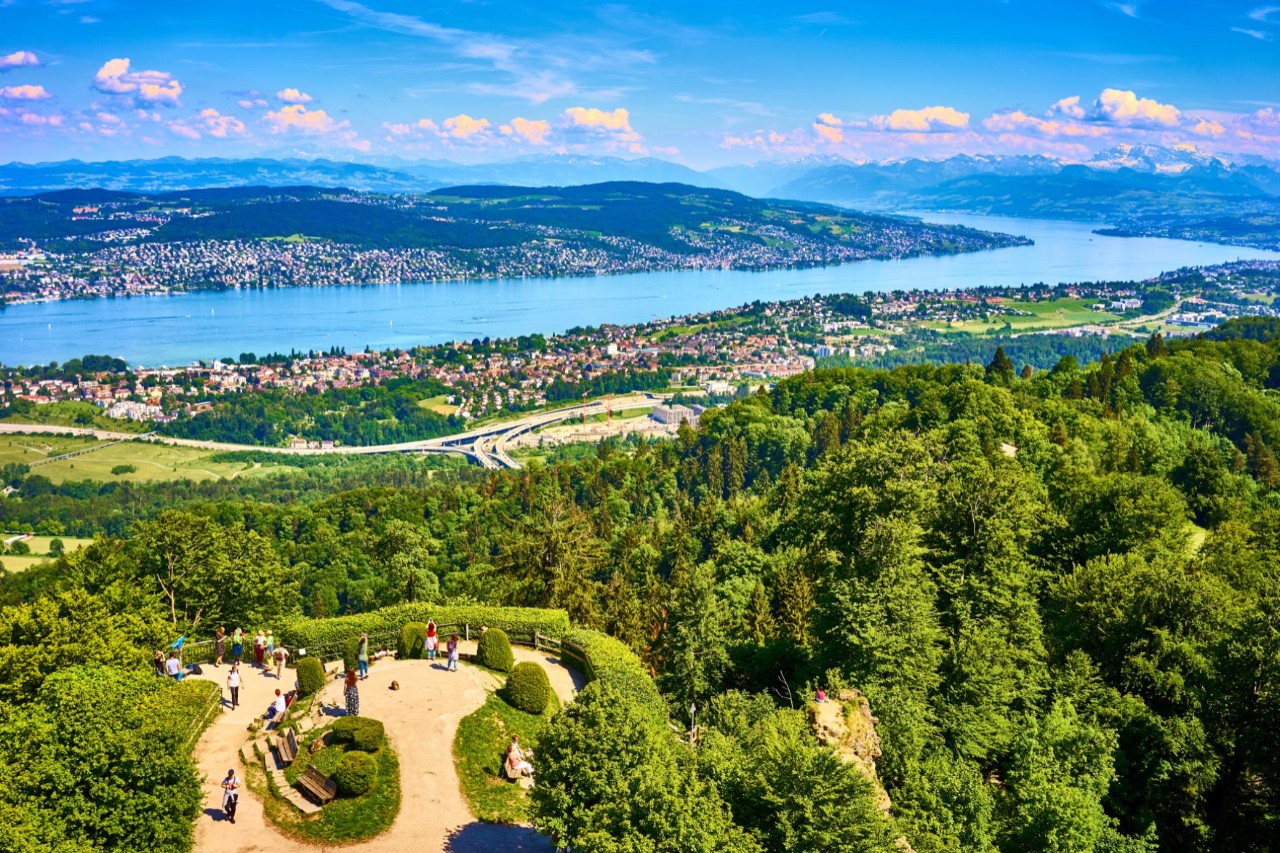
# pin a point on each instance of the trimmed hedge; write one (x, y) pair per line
(528, 688)
(612, 661)
(363, 733)
(413, 640)
(494, 650)
(520, 622)
(370, 735)
(355, 773)
(310, 676)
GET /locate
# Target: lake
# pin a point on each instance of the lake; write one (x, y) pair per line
(179, 329)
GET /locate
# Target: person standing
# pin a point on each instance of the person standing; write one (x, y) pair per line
(219, 645)
(362, 656)
(259, 648)
(282, 655)
(230, 795)
(433, 641)
(173, 667)
(237, 645)
(453, 653)
(233, 684)
(352, 694)
(271, 645)
(158, 662)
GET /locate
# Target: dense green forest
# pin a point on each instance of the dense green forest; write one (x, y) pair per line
(1058, 592)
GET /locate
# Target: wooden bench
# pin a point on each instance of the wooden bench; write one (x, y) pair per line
(287, 747)
(512, 775)
(318, 786)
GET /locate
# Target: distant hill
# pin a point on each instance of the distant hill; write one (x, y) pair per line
(177, 173)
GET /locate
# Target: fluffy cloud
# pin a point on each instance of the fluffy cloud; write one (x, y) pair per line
(24, 93)
(297, 119)
(1124, 107)
(181, 128)
(465, 127)
(294, 96)
(251, 103)
(1208, 127)
(18, 59)
(1068, 107)
(152, 87)
(618, 120)
(531, 131)
(220, 126)
(827, 126)
(613, 129)
(927, 120)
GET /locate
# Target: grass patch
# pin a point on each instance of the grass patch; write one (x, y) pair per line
(72, 413)
(345, 820)
(478, 751)
(150, 461)
(439, 405)
(1032, 316)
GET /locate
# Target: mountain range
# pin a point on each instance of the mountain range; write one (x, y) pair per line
(1132, 186)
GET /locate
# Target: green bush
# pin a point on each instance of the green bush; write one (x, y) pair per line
(370, 735)
(350, 653)
(494, 650)
(355, 773)
(609, 660)
(413, 640)
(310, 676)
(344, 729)
(323, 634)
(528, 688)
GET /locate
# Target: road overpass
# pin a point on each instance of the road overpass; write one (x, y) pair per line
(485, 445)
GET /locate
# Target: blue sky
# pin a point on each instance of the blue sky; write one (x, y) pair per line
(705, 83)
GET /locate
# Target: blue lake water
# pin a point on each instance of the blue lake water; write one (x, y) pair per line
(180, 329)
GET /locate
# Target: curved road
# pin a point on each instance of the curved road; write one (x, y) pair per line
(486, 445)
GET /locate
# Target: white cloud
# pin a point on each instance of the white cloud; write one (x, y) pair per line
(1124, 107)
(294, 96)
(927, 120)
(153, 87)
(24, 93)
(18, 59)
(220, 126)
(297, 119)
(465, 127)
(531, 131)
(613, 129)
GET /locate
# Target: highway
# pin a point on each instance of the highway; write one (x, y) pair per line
(486, 446)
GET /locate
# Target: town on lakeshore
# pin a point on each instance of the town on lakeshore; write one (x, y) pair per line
(716, 355)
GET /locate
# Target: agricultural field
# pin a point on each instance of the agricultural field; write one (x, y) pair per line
(129, 461)
(39, 546)
(439, 404)
(1033, 317)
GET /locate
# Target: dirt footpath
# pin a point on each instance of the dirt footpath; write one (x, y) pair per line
(421, 719)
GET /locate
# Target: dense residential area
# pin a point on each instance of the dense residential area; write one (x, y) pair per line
(714, 354)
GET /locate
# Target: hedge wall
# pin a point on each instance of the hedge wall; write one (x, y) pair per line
(613, 662)
(518, 622)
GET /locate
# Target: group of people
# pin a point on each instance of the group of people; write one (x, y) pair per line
(433, 646)
(518, 763)
(265, 650)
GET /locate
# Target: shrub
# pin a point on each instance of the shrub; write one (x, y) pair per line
(355, 773)
(413, 640)
(370, 735)
(610, 660)
(344, 729)
(494, 650)
(320, 634)
(123, 469)
(351, 651)
(310, 674)
(528, 688)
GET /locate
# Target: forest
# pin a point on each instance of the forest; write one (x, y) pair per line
(1058, 590)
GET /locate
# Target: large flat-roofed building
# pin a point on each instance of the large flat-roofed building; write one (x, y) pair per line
(664, 414)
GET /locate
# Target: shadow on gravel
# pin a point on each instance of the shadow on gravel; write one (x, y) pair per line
(487, 837)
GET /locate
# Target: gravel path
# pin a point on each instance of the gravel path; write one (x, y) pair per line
(421, 719)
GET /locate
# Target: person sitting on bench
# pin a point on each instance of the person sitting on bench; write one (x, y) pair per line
(517, 763)
(276, 711)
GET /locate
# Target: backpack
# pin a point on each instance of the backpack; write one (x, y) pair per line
(195, 669)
